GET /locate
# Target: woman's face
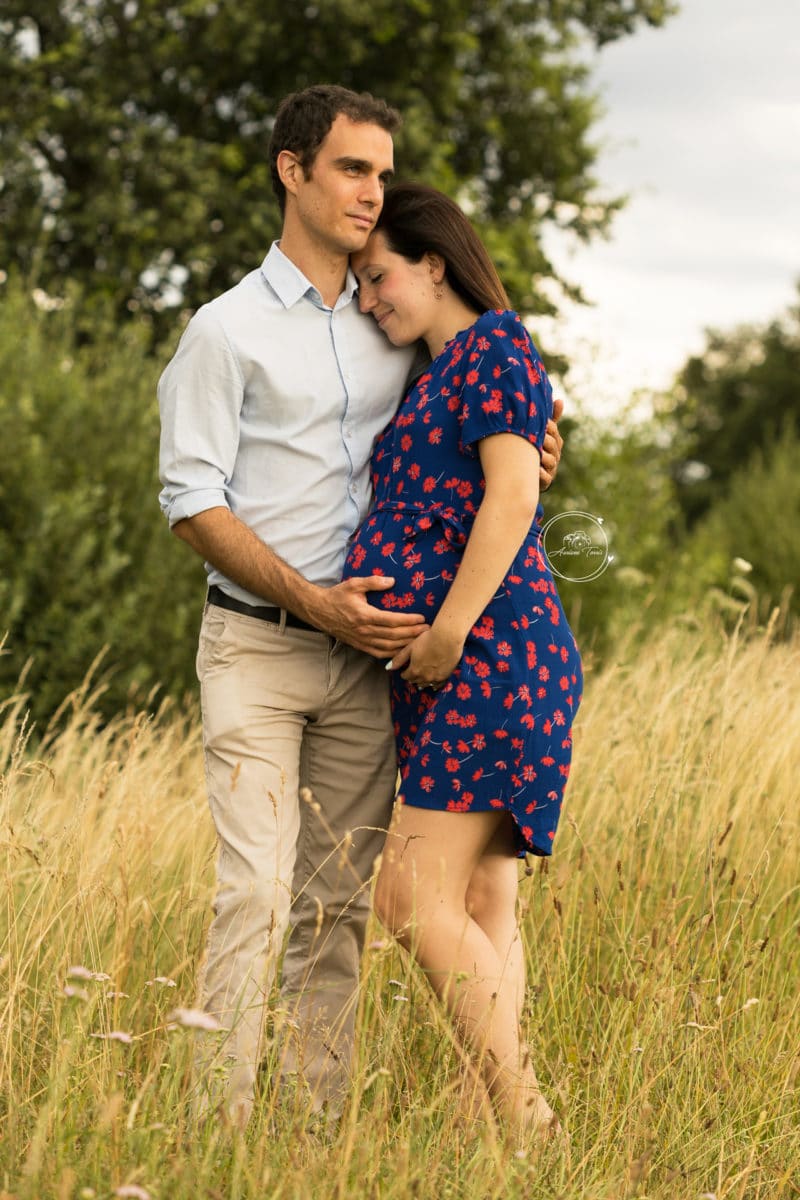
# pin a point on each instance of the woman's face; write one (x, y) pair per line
(398, 293)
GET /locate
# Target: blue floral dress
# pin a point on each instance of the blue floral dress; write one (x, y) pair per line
(498, 734)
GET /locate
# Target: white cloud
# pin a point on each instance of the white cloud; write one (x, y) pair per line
(702, 130)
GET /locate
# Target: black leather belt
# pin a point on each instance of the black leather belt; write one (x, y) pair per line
(264, 612)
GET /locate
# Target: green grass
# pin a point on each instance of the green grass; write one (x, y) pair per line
(663, 941)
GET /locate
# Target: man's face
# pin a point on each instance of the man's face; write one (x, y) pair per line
(340, 198)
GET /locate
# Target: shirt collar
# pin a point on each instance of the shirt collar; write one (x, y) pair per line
(290, 284)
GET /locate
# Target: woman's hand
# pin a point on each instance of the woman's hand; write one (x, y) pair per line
(430, 659)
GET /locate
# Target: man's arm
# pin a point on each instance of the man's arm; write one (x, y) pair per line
(551, 448)
(342, 611)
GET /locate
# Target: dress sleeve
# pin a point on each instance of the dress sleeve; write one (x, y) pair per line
(504, 387)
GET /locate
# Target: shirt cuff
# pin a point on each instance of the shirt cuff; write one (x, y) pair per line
(189, 504)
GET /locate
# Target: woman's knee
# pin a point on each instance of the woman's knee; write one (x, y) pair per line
(492, 890)
(392, 901)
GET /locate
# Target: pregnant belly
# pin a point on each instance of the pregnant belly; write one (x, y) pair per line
(420, 552)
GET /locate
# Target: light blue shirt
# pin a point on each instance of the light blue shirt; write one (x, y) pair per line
(270, 407)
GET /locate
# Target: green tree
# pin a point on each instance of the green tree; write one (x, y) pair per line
(133, 133)
(734, 399)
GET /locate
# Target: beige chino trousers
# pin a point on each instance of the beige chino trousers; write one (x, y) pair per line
(286, 709)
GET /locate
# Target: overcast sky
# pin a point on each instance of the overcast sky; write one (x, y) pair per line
(702, 130)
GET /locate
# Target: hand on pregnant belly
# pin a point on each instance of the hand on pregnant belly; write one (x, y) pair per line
(430, 659)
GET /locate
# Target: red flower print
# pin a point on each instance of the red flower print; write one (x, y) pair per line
(478, 742)
(559, 717)
(531, 650)
(358, 555)
(427, 783)
(413, 471)
(463, 691)
(547, 761)
(435, 436)
(563, 683)
(452, 764)
(544, 673)
(429, 484)
(387, 549)
(528, 773)
(406, 442)
(504, 648)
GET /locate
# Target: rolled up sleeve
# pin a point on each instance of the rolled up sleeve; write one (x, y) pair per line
(200, 397)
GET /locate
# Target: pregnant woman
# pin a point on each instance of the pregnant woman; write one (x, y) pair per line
(483, 702)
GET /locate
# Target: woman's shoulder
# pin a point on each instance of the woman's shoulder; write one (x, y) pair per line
(499, 324)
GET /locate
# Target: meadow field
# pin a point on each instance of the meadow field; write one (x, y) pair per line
(663, 941)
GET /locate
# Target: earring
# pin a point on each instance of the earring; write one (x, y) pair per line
(438, 291)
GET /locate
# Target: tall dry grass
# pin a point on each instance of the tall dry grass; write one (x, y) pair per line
(662, 939)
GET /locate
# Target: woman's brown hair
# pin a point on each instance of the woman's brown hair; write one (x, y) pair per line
(417, 219)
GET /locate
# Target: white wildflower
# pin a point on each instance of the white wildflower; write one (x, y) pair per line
(195, 1018)
(162, 979)
(44, 302)
(132, 1190)
(116, 1035)
(75, 993)
(742, 565)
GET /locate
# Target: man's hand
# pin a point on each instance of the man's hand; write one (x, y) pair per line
(551, 448)
(345, 613)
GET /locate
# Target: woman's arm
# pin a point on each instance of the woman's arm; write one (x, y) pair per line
(510, 467)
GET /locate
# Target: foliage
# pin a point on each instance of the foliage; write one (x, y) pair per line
(661, 940)
(730, 401)
(86, 560)
(747, 546)
(618, 474)
(133, 134)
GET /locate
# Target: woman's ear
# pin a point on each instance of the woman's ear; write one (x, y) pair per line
(436, 266)
(289, 170)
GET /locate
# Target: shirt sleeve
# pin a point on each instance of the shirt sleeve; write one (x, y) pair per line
(504, 387)
(200, 396)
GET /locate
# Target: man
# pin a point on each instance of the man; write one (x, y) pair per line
(269, 410)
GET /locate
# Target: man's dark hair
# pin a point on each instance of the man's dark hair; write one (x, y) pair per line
(303, 121)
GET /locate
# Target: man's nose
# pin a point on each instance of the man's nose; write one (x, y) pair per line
(372, 191)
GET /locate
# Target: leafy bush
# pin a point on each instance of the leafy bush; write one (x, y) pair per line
(86, 559)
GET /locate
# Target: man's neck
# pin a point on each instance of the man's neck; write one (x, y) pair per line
(322, 266)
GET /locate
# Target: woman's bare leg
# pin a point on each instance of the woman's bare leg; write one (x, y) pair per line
(429, 860)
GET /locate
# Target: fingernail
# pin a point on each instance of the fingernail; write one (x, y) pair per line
(389, 665)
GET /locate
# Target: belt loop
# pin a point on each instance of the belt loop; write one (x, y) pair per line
(282, 622)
